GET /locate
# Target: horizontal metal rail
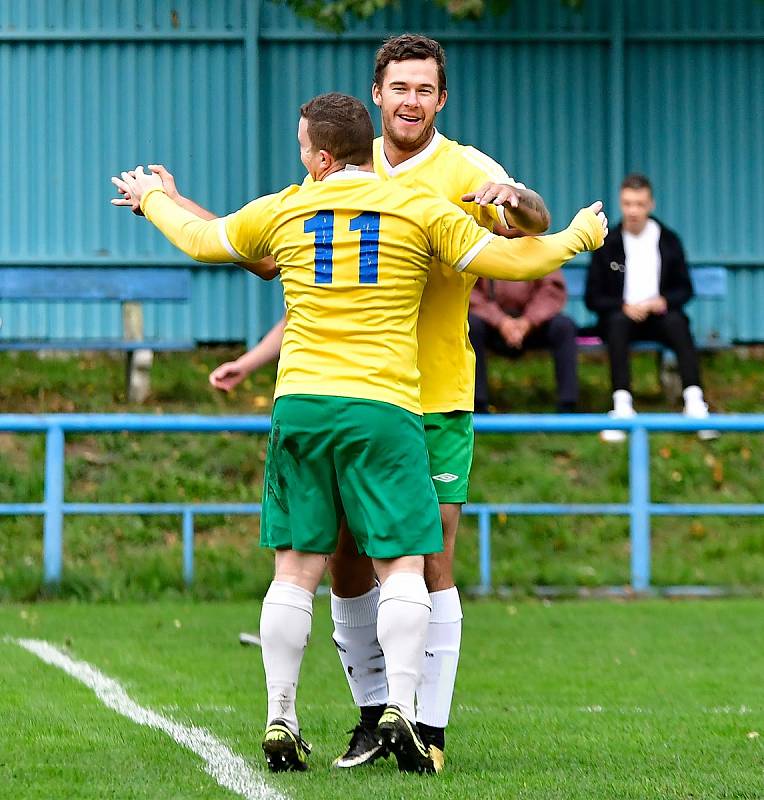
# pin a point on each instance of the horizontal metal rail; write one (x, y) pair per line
(639, 508)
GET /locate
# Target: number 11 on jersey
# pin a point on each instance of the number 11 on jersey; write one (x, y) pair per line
(322, 226)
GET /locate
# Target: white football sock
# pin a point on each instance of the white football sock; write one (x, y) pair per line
(285, 623)
(404, 611)
(441, 659)
(355, 634)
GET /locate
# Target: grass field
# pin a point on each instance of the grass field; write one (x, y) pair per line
(563, 701)
(116, 558)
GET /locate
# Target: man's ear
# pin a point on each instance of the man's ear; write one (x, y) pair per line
(376, 95)
(441, 100)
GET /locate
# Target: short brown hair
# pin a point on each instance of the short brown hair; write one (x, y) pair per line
(406, 47)
(637, 181)
(341, 125)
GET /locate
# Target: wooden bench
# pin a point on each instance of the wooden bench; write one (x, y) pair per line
(130, 286)
(708, 313)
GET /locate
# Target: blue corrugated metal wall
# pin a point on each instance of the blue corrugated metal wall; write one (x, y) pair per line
(567, 101)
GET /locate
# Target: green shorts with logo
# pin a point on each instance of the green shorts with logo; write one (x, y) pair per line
(450, 444)
(330, 457)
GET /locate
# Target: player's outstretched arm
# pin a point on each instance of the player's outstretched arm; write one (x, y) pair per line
(232, 373)
(265, 269)
(533, 257)
(197, 238)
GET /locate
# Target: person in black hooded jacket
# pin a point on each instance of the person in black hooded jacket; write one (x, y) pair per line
(638, 284)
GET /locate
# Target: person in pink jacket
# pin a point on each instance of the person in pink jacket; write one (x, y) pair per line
(510, 317)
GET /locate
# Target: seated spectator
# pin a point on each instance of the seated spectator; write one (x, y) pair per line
(638, 284)
(510, 317)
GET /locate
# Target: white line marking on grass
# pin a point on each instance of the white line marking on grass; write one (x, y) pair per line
(230, 770)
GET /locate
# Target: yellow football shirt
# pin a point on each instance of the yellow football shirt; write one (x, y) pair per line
(354, 253)
(446, 359)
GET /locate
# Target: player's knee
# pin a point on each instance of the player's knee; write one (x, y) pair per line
(439, 571)
(439, 567)
(301, 569)
(352, 574)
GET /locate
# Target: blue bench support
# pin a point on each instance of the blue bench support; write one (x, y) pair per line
(639, 508)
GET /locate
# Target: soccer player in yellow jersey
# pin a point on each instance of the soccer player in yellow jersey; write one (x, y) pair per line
(410, 89)
(347, 436)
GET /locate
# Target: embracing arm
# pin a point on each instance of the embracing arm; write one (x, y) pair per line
(523, 208)
(533, 257)
(197, 238)
(265, 269)
(531, 214)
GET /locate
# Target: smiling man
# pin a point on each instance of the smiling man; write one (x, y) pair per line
(410, 90)
(347, 435)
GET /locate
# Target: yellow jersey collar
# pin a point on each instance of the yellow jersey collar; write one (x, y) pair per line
(412, 162)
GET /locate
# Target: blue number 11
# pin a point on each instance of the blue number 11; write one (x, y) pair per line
(322, 226)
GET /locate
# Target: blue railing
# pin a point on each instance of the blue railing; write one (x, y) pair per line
(639, 508)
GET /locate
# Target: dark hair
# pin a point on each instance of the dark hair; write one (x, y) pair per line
(341, 125)
(406, 47)
(637, 181)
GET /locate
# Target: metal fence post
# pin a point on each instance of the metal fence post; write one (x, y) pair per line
(484, 549)
(639, 490)
(52, 541)
(188, 547)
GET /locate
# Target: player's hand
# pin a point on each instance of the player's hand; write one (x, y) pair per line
(508, 233)
(596, 208)
(498, 194)
(138, 183)
(168, 180)
(125, 198)
(227, 376)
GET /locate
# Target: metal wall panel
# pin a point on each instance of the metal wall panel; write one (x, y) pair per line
(715, 17)
(694, 116)
(567, 101)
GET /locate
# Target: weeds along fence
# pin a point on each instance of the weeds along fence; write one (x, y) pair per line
(639, 509)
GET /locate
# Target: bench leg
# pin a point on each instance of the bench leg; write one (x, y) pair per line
(139, 375)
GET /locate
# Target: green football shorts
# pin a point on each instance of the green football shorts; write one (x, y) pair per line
(334, 456)
(450, 444)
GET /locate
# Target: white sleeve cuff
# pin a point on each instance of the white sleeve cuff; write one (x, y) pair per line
(469, 257)
(226, 242)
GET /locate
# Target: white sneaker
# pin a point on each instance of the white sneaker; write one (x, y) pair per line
(622, 409)
(695, 407)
